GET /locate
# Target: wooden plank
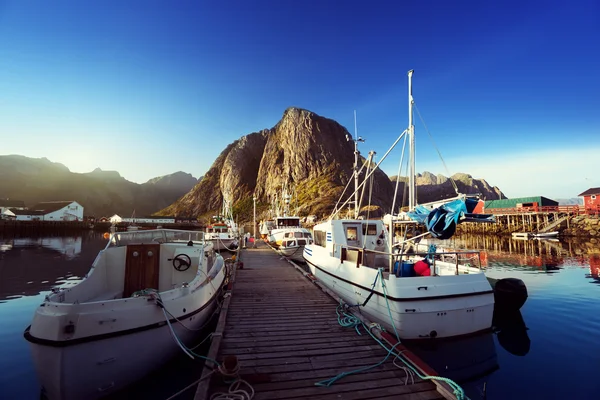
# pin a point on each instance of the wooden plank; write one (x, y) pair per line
(427, 395)
(285, 338)
(280, 345)
(320, 350)
(306, 368)
(251, 374)
(235, 333)
(352, 390)
(397, 374)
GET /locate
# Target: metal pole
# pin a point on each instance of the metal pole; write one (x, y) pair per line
(411, 136)
(254, 202)
(355, 179)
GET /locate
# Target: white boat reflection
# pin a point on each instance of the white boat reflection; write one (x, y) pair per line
(69, 246)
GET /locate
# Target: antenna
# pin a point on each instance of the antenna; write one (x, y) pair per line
(355, 128)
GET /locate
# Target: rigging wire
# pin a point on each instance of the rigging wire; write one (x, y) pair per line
(437, 149)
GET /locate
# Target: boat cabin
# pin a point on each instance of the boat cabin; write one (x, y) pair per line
(296, 238)
(287, 222)
(217, 228)
(136, 261)
(348, 240)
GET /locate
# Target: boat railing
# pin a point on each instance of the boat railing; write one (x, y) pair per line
(444, 256)
(119, 239)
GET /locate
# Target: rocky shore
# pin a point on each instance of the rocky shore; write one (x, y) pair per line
(583, 226)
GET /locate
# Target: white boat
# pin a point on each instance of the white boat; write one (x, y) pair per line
(145, 292)
(545, 234)
(355, 259)
(223, 231)
(287, 235)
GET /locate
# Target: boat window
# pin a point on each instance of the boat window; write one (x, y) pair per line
(369, 229)
(298, 234)
(319, 237)
(351, 233)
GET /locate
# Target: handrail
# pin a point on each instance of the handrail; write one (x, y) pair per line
(404, 254)
(117, 236)
(574, 209)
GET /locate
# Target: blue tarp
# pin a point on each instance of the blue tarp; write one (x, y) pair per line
(440, 222)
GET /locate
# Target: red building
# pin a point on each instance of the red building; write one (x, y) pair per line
(591, 199)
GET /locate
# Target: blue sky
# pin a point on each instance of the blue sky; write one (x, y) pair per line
(509, 90)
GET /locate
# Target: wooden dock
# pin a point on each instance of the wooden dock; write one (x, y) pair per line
(284, 332)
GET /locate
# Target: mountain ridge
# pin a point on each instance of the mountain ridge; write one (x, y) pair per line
(101, 193)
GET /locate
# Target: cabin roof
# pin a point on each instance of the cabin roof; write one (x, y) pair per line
(590, 192)
(51, 206)
(11, 203)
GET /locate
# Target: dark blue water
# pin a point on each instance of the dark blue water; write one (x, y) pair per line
(553, 352)
(29, 268)
(555, 357)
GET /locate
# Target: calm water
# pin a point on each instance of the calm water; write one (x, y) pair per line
(554, 357)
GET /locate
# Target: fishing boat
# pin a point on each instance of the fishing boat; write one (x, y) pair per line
(287, 235)
(416, 295)
(146, 297)
(222, 230)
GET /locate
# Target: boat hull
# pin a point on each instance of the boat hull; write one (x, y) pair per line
(97, 368)
(293, 253)
(228, 244)
(416, 315)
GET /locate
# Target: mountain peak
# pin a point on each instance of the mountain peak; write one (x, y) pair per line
(100, 173)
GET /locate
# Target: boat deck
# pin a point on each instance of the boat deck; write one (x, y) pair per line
(284, 332)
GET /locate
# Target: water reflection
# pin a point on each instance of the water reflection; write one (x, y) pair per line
(547, 256)
(511, 332)
(470, 361)
(69, 246)
(31, 264)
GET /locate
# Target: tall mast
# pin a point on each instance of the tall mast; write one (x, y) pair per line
(355, 168)
(411, 135)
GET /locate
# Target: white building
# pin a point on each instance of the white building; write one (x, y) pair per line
(5, 213)
(116, 219)
(52, 211)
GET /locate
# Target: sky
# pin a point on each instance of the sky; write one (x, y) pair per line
(510, 91)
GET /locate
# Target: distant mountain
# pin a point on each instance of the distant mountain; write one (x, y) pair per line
(101, 193)
(570, 202)
(310, 153)
(177, 182)
(432, 187)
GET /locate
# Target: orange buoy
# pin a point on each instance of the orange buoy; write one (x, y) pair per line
(422, 268)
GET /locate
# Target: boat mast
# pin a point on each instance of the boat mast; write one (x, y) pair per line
(355, 172)
(411, 135)
(355, 169)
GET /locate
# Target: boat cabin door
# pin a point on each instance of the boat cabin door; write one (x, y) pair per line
(141, 268)
(354, 241)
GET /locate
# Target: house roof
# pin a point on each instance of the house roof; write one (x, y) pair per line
(590, 192)
(11, 203)
(50, 206)
(28, 212)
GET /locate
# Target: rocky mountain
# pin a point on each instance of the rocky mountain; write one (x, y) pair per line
(101, 193)
(307, 152)
(179, 182)
(432, 187)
